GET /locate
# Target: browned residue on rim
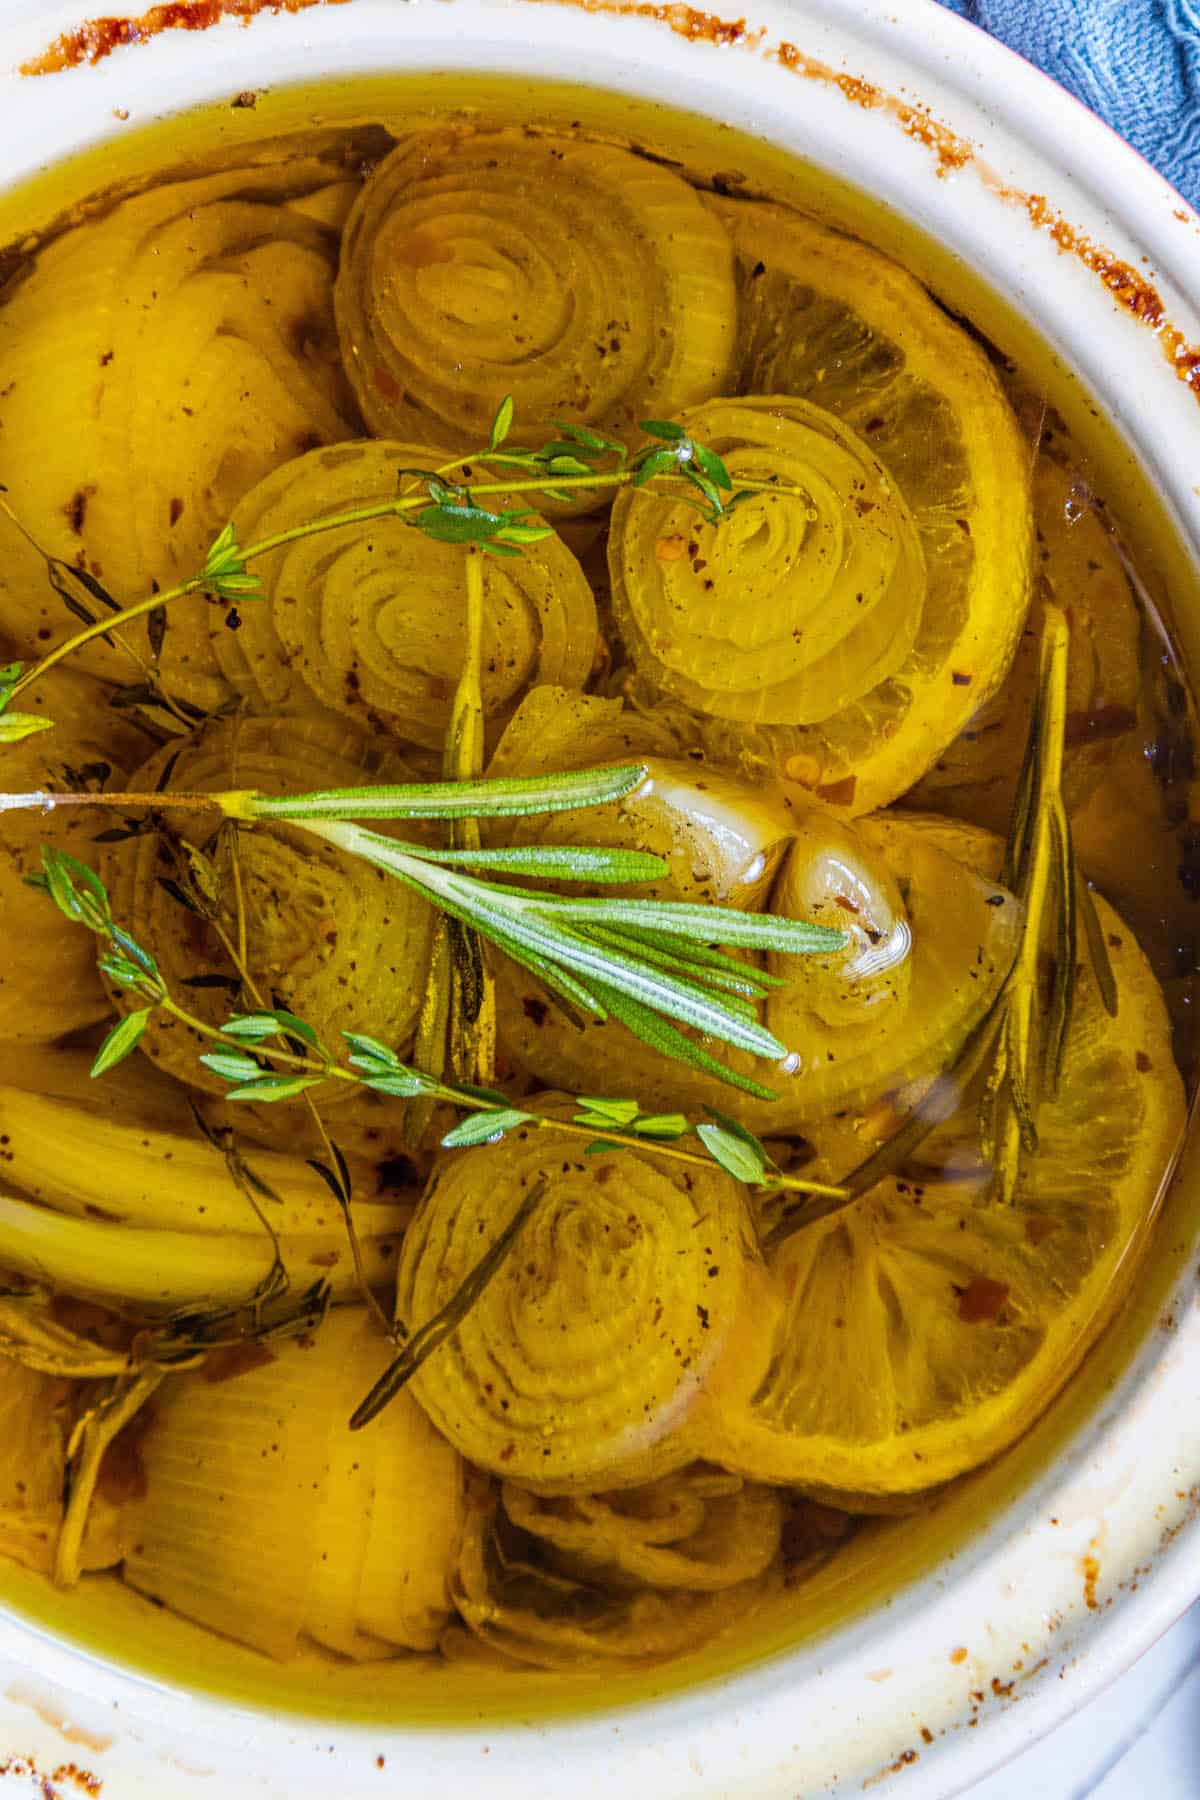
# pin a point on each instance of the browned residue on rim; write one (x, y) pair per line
(685, 21)
(98, 38)
(951, 152)
(95, 1741)
(95, 39)
(49, 1786)
(949, 149)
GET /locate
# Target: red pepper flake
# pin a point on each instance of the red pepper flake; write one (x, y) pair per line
(839, 793)
(236, 1359)
(960, 1655)
(846, 904)
(960, 679)
(982, 1300)
(1143, 1062)
(95, 39)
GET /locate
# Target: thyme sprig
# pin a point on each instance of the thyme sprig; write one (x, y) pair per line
(444, 504)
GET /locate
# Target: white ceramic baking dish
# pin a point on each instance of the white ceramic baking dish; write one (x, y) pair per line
(1056, 1571)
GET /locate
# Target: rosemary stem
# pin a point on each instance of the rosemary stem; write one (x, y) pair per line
(1020, 1075)
(233, 804)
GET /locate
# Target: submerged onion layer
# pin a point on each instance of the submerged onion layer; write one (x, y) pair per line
(799, 602)
(323, 934)
(588, 283)
(597, 1353)
(370, 620)
(156, 363)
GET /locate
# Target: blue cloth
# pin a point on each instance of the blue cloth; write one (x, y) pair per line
(1135, 62)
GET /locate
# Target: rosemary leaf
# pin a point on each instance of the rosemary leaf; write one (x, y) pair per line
(1097, 947)
(535, 923)
(706, 924)
(744, 983)
(551, 862)
(510, 798)
(669, 1041)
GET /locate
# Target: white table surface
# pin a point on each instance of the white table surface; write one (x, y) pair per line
(1140, 1740)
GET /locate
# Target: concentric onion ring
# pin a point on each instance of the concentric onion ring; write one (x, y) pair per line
(335, 941)
(698, 1529)
(370, 620)
(829, 320)
(630, 1302)
(156, 363)
(791, 608)
(589, 283)
(509, 1601)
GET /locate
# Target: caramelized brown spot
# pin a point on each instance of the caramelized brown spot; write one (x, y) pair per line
(421, 249)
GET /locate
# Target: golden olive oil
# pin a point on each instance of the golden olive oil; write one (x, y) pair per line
(1156, 880)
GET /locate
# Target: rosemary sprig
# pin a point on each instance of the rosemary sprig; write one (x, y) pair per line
(580, 461)
(1017, 1048)
(514, 797)
(605, 957)
(273, 1055)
